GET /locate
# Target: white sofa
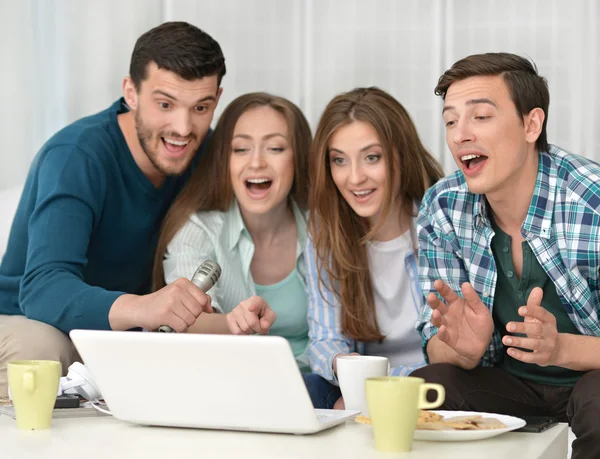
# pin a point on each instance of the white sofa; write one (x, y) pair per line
(9, 199)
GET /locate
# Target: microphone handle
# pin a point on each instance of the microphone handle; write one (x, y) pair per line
(203, 284)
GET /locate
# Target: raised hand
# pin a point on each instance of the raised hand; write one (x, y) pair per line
(542, 335)
(251, 316)
(464, 324)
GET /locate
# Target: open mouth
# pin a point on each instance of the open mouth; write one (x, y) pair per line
(363, 193)
(258, 184)
(472, 161)
(363, 196)
(174, 146)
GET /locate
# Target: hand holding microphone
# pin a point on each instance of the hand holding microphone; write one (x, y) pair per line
(204, 278)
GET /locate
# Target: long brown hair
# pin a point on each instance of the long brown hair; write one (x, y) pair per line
(210, 186)
(339, 234)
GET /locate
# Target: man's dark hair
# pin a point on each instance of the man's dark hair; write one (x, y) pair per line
(527, 88)
(179, 47)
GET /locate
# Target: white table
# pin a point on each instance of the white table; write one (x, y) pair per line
(106, 437)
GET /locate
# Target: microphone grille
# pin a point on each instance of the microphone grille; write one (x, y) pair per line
(211, 270)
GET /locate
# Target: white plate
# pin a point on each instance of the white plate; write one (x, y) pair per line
(511, 423)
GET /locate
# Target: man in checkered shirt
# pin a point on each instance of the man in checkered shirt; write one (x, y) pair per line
(509, 256)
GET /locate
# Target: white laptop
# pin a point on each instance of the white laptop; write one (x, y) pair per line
(204, 381)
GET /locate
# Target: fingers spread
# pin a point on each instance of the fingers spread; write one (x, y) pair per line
(436, 304)
(535, 297)
(437, 319)
(533, 344)
(525, 328)
(473, 299)
(442, 334)
(536, 312)
(527, 357)
(445, 291)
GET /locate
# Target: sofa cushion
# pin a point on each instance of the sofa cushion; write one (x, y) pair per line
(9, 200)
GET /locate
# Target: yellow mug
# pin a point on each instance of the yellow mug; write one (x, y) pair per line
(33, 388)
(394, 403)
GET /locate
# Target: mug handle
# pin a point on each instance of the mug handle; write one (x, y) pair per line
(29, 381)
(441, 396)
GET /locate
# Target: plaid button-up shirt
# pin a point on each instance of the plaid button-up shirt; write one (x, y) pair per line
(562, 228)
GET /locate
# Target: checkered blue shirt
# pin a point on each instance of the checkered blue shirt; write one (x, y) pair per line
(562, 228)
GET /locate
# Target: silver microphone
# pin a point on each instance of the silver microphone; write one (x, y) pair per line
(204, 278)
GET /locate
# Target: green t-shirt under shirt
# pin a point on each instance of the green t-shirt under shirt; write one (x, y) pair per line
(288, 300)
(512, 293)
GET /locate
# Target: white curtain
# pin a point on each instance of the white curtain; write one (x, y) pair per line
(64, 59)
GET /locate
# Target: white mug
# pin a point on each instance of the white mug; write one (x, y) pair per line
(352, 370)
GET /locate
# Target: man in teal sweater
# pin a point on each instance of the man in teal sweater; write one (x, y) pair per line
(82, 242)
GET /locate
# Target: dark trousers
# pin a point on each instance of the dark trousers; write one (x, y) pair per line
(322, 393)
(496, 391)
